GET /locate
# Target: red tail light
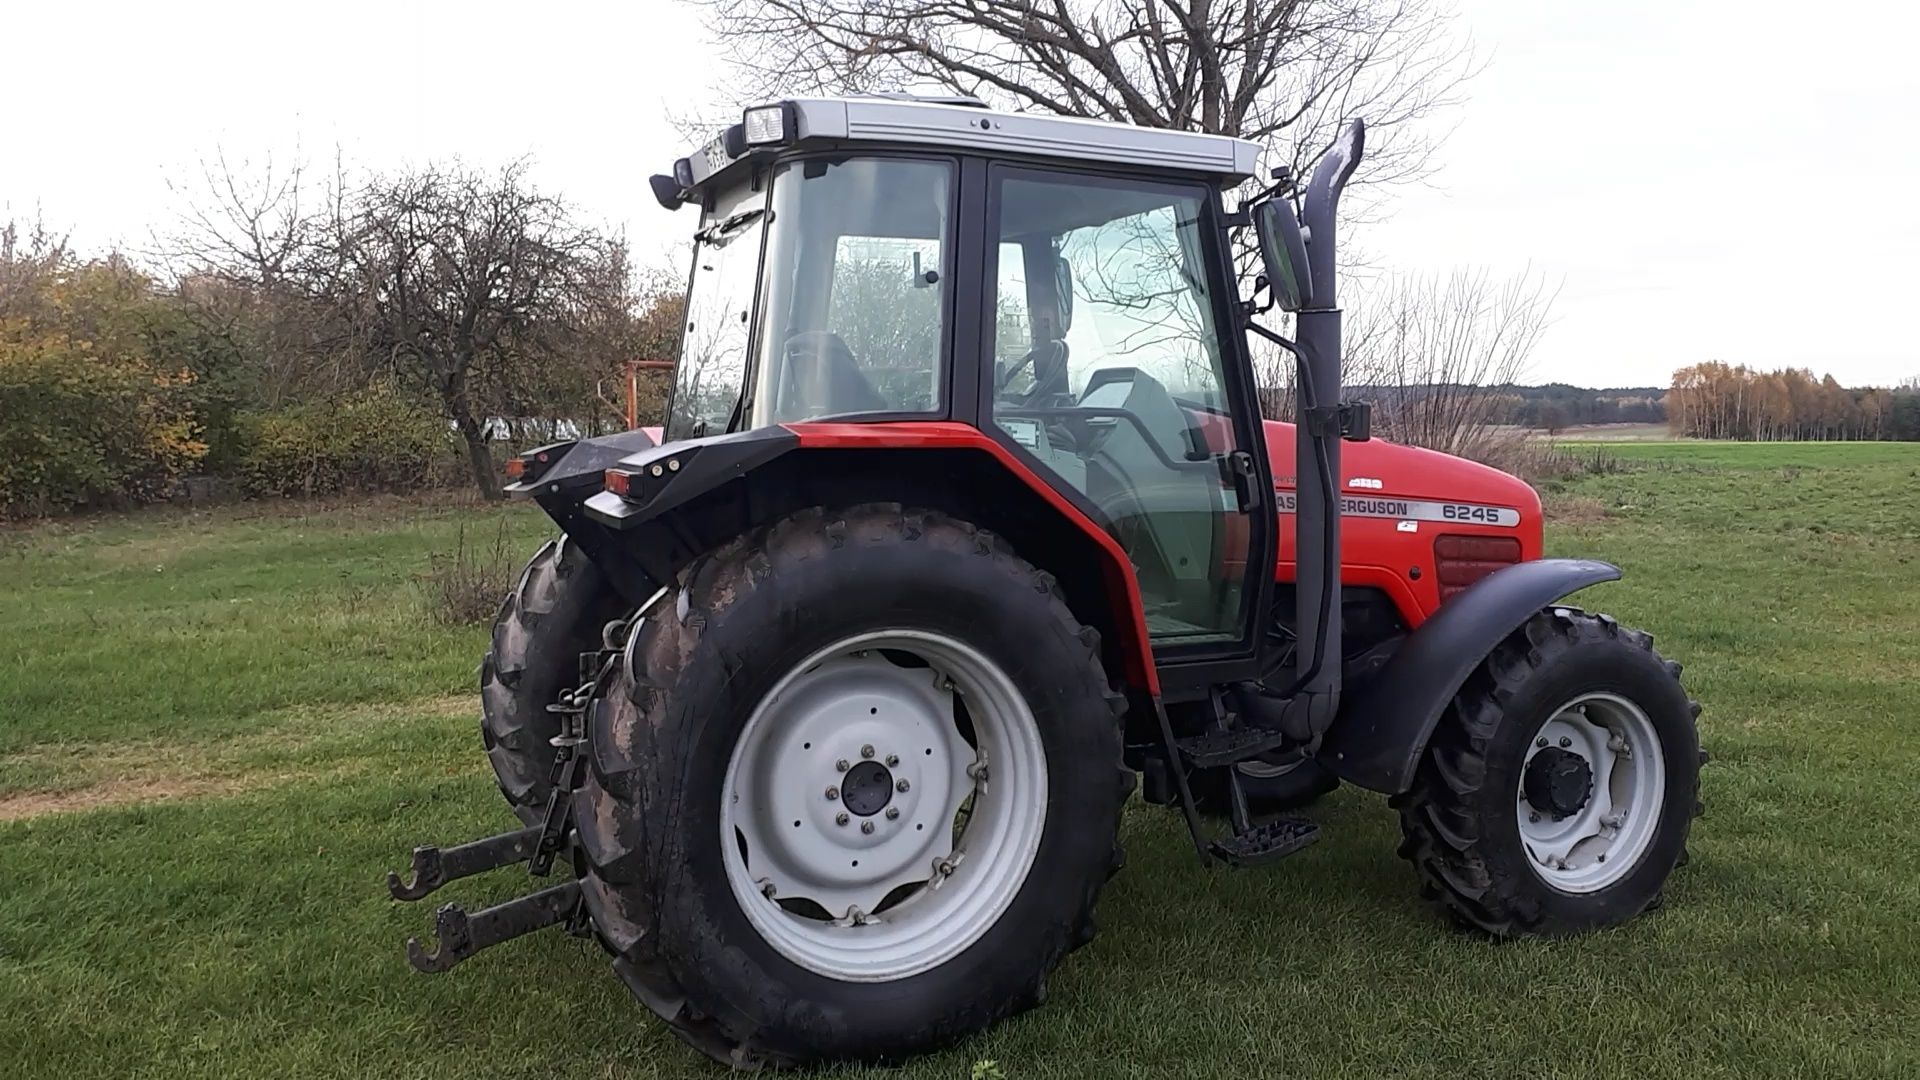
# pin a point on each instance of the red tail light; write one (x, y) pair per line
(619, 481)
(516, 468)
(1462, 560)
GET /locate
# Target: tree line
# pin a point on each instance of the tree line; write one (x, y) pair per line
(1714, 400)
(301, 336)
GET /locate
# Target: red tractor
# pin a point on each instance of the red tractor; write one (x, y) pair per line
(964, 517)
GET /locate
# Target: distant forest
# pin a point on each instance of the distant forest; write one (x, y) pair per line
(1708, 401)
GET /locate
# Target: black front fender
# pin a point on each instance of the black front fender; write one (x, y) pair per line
(1383, 726)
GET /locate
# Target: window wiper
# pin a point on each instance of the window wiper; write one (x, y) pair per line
(718, 233)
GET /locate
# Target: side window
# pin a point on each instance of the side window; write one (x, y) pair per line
(853, 315)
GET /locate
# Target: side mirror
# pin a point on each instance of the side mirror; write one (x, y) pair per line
(1284, 251)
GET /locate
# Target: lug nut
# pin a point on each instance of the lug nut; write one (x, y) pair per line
(893, 812)
(1565, 742)
(866, 751)
(946, 867)
(833, 793)
(866, 826)
(892, 760)
(1541, 742)
(841, 818)
(1531, 818)
(902, 786)
(842, 765)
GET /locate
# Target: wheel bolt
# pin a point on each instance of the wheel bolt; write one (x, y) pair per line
(892, 760)
(833, 793)
(842, 765)
(841, 818)
(866, 751)
(1565, 742)
(893, 812)
(1532, 818)
(902, 786)
(1541, 742)
(866, 826)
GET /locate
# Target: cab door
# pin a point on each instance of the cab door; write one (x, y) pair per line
(1117, 372)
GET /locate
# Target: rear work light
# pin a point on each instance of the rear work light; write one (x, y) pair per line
(1462, 560)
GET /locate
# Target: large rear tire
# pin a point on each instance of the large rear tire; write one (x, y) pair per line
(555, 611)
(789, 691)
(1558, 791)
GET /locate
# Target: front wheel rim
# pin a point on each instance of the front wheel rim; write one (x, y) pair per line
(1589, 848)
(865, 835)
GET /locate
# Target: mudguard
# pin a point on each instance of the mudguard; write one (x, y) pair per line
(1383, 726)
(657, 485)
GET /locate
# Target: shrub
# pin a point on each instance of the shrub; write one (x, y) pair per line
(90, 417)
(465, 586)
(375, 440)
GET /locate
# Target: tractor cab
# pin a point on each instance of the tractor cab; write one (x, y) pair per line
(1069, 296)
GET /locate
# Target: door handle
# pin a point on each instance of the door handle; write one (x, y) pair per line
(1238, 471)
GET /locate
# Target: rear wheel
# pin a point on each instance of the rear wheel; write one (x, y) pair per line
(1558, 791)
(855, 786)
(555, 611)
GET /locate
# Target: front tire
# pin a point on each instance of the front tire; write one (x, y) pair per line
(1558, 790)
(725, 817)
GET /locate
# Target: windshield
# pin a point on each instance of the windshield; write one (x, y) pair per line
(713, 352)
(852, 302)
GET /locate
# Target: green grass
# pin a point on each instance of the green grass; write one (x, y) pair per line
(269, 688)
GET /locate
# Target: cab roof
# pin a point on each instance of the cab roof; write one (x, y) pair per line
(966, 124)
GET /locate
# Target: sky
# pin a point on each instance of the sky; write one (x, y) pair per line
(1701, 180)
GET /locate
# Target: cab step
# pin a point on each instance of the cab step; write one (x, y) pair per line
(1220, 748)
(1266, 841)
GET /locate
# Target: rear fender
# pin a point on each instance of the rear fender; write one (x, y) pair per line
(687, 497)
(1383, 725)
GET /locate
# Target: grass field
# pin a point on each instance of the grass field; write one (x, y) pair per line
(218, 730)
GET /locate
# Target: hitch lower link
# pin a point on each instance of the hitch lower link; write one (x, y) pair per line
(461, 934)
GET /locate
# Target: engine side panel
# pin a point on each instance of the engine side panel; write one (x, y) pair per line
(1397, 500)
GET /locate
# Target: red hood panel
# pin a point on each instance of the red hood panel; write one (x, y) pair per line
(1396, 553)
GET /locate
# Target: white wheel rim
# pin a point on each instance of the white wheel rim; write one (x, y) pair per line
(1603, 840)
(832, 880)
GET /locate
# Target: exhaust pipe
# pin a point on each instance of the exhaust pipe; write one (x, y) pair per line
(1308, 708)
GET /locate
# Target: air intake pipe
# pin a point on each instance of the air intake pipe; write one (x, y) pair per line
(1307, 708)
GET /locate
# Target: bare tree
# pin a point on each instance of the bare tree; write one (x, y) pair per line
(1284, 72)
(476, 289)
(463, 282)
(1433, 351)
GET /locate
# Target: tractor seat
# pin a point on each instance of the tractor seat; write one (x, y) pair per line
(822, 379)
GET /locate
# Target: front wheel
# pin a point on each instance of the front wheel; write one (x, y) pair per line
(1558, 791)
(855, 786)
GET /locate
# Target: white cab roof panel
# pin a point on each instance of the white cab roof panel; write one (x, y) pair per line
(882, 119)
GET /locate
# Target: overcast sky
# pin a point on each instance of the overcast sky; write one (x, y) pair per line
(1734, 181)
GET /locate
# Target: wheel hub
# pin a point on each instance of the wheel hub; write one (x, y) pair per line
(1590, 792)
(867, 789)
(1557, 782)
